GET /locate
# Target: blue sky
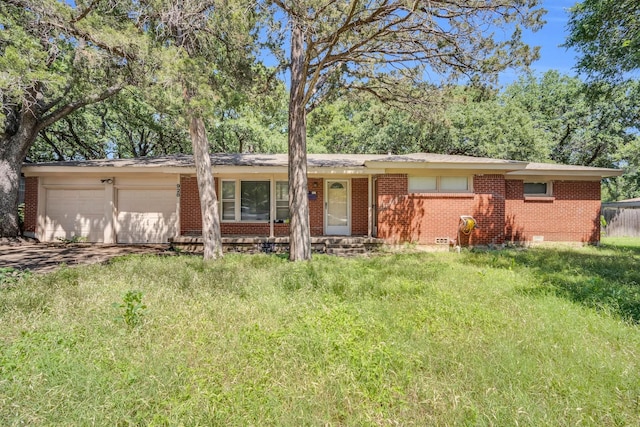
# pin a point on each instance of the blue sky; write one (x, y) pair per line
(549, 38)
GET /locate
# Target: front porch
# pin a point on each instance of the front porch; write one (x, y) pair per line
(335, 245)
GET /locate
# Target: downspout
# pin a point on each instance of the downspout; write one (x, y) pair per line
(374, 208)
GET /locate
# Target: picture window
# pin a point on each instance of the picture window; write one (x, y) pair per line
(250, 201)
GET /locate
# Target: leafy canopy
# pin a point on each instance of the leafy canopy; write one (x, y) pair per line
(607, 35)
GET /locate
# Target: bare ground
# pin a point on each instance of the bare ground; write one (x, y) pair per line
(26, 254)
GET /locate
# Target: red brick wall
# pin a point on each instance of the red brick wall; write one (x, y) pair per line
(359, 206)
(499, 207)
(572, 214)
(390, 186)
(316, 207)
(190, 215)
(423, 217)
(30, 203)
(489, 209)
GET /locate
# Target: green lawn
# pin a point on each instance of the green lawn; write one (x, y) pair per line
(519, 337)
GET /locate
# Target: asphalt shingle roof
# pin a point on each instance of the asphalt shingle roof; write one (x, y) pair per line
(348, 161)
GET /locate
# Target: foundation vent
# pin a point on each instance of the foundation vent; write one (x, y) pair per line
(442, 240)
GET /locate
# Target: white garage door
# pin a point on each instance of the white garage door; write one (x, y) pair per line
(146, 216)
(73, 214)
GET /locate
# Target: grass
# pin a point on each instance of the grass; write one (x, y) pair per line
(518, 337)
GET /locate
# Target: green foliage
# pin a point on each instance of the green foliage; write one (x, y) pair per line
(607, 35)
(11, 276)
(582, 124)
(495, 128)
(126, 125)
(64, 56)
(21, 216)
(258, 124)
(132, 309)
(552, 118)
(365, 125)
(73, 239)
(527, 337)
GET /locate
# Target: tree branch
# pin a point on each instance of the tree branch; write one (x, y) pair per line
(69, 108)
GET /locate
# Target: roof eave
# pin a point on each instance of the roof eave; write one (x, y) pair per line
(446, 165)
(38, 170)
(596, 173)
(217, 169)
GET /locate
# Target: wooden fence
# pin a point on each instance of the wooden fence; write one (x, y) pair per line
(621, 221)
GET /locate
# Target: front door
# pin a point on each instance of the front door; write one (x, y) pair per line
(337, 207)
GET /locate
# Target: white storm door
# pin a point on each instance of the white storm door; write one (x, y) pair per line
(337, 208)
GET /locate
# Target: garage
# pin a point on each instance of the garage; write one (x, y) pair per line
(74, 214)
(146, 215)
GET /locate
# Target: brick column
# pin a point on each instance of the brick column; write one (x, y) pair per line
(30, 205)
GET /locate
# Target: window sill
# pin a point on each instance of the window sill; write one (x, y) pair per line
(539, 198)
(443, 195)
(230, 221)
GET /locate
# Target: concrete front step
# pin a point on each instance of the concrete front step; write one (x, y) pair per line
(346, 251)
(250, 244)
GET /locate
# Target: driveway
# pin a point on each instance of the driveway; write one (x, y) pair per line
(43, 257)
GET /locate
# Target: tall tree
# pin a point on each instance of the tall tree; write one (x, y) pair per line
(607, 35)
(125, 125)
(56, 58)
(360, 123)
(208, 49)
(376, 46)
(581, 123)
(255, 123)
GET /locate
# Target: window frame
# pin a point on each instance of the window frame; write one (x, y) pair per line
(224, 200)
(277, 200)
(547, 193)
(237, 200)
(438, 189)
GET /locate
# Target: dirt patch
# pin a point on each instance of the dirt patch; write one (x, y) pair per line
(26, 254)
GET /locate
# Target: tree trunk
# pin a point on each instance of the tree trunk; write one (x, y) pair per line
(10, 164)
(13, 150)
(299, 232)
(206, 187)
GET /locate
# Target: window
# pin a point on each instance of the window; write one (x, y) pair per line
(21, 190)
(255, 200)
(282, 200)
(251, 200)
(454, 183)
(537, 188)
(228, 200)
(422, 184)
(439, 184)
